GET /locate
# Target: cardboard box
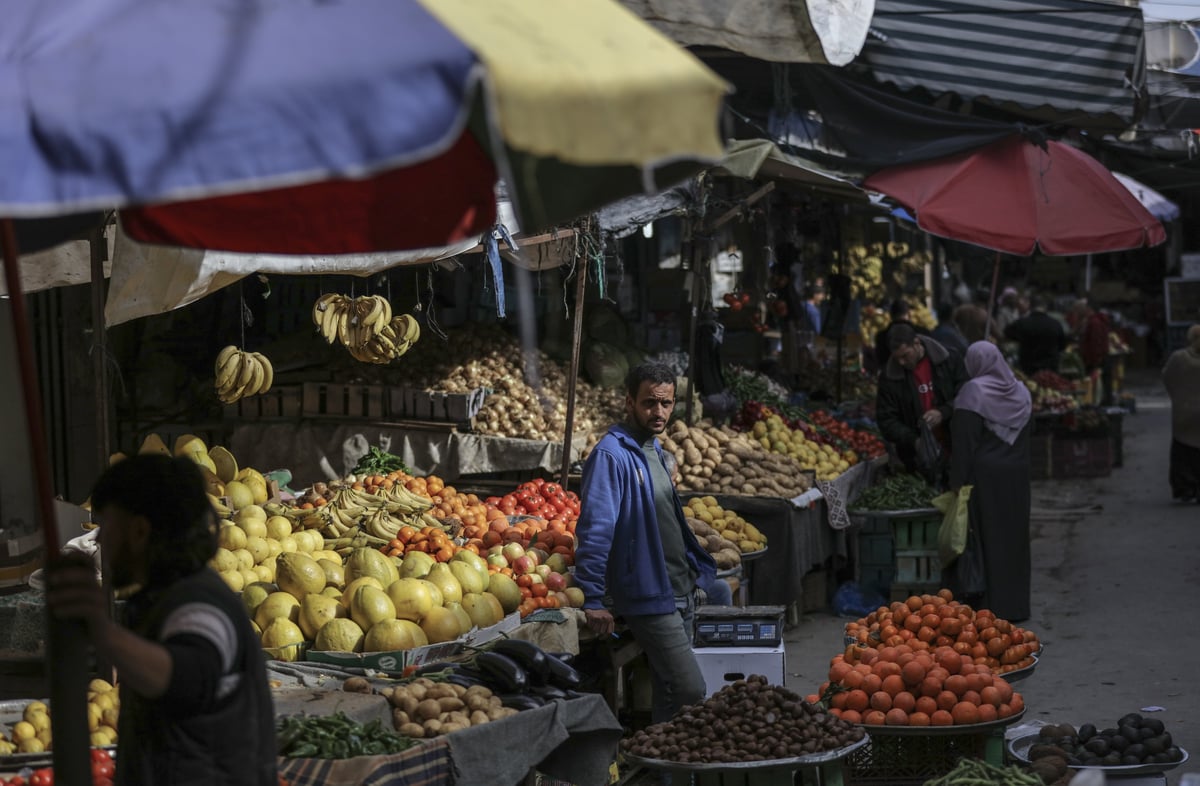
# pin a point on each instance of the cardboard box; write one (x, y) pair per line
(723, 665)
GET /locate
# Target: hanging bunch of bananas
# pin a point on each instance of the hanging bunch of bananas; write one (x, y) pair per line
(365, 326)
(239, 374)
(865, 268)
(919, 313)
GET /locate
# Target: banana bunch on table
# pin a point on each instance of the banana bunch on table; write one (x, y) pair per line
(365, 326)
(239, 374)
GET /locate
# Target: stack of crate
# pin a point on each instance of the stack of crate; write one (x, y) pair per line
(918, 567)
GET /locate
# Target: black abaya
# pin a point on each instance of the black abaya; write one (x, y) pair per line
(999, 506)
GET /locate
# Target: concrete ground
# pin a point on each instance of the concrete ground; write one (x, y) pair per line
(1116, 594)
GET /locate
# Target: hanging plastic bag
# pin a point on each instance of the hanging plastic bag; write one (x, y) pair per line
(968, 571)
(956, 522)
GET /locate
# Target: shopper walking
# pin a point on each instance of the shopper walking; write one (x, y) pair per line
(195, 704)
(1181, 376)
(990, 439)
(636, 559)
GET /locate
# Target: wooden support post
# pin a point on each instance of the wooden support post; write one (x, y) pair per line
(573, 373)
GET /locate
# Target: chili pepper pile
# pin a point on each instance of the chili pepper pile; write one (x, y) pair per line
(898, 492)
(336, 737)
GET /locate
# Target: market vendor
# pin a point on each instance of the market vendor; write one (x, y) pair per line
(195, 704)
(917, 387)
(635, 557)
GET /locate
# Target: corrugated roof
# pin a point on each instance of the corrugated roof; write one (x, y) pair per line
(1070, 55)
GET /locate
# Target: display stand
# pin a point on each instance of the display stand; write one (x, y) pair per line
(826, 767)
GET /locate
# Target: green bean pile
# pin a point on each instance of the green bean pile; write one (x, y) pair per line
(898, 492)
(336, 737)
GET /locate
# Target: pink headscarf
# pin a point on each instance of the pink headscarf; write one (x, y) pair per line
(994, 393)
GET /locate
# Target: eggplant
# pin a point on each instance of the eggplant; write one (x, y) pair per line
(563, 674)
(530, 656)
(502, 672)
(547, 692)
(521, 701)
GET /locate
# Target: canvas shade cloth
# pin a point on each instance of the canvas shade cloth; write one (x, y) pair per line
(1015, 196)
(295, 128)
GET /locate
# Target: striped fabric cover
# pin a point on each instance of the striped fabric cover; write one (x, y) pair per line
(427, 764)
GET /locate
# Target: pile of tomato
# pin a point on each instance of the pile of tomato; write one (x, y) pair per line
(102, 773)
(541, 498)
(864, 443)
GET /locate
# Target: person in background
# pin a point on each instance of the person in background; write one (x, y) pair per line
(636, 558)
(947, 333)
(917, 386)
(814, 297)
(900, 313)
(1093, 328)
(971, 320)
(1007, 310)
(990, 439)
(1181, 377)
(195, 704)
(1040, 339)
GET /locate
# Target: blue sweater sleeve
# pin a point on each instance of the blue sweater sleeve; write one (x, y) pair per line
(600, 505)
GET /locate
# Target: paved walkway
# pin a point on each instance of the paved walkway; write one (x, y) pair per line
(1116, 594)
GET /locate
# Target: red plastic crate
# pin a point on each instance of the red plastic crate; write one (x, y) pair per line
(1082, 457)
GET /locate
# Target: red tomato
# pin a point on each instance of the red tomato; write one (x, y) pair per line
(102, 769)
(42, 777)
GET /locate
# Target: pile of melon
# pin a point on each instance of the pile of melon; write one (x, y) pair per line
(902, 686)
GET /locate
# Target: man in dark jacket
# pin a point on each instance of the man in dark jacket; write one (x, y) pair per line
(1040, 339)
(195, 704)
(636, 558)
(918, 385)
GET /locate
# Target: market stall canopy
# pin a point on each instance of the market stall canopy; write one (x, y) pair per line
(761, 158)
(1019, 195)
(815, 31)
(1068, 58)
(1159, 206)
(307, 127)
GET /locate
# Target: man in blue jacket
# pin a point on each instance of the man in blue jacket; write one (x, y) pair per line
(635, 557)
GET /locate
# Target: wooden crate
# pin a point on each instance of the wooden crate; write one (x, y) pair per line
(331, 399)
(281, 402)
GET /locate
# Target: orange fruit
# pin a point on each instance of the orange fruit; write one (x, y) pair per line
(838, 702)
(965, 712)
(956, 684)
(1005, 690)
(881, 701)
(941, 718)
(927, 705)
(913, 672)
(1017, 703)
(886, 668)
(812, 698)
(888, 654)
(874, 718)
(851, 716)
(988, 713)
(892, 684)
(872, 683)
(904, 701)
(949, 660)
(972, 697)
(946, 700)
(857, 700)
(839, 670)
(896, 717)
(853, 679)
(914, 602)
(918, 719)
(931, 686)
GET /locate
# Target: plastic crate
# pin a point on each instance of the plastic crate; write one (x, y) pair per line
(917, 532)
(1082, 457)
(911, 760)
(875, 550)
(918, 567)
(877, 577)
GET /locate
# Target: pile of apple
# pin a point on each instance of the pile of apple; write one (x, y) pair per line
(543, 578)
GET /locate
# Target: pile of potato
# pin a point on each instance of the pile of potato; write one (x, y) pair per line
(724, 461)
(424, 708)
(725, 534)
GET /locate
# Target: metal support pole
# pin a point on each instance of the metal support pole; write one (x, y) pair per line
(573, 373)
(98, 246)
(66, 642)
(690, 414)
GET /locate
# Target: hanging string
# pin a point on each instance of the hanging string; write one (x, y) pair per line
(247, 316)
(430, 317)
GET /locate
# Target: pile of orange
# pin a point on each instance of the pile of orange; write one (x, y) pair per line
(902, 686)
(926, 622)
(434, 541)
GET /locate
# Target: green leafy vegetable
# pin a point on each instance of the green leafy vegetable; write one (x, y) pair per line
(336, 737)
(378, 462)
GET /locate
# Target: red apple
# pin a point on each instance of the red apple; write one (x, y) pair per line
(556, 582)
(523, 564)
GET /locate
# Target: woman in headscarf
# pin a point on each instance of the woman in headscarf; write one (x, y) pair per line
(1181, 377)
(990, 452)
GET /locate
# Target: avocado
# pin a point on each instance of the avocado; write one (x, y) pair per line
(1146, 733)
(1132, 719)
(1086, 732)
(1118, 743)
(1154, 745)
(1111, 760)
(1173, 754)
(1128, 760)
(1049, 732)
(1136, 749)
(1097, 746)
(1131, 733)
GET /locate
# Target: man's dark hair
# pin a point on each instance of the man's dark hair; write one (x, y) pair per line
(1039, 303)
(900, 334)
(171, 494)
(900, 309)
(945, 312)
(654, 373)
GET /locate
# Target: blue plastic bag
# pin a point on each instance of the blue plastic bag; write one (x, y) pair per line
(850, 601)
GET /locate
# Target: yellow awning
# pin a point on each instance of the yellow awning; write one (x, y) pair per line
(588, 82)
